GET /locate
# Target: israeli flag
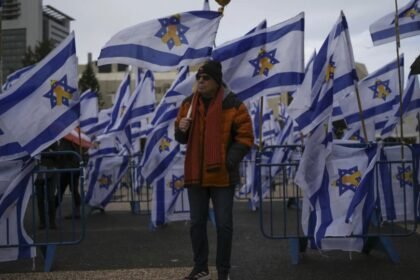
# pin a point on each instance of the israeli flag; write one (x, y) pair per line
(15, 191)
(104, 119)
(164, 44)
(88, 109)
(265, 61)
(410, 105)
(120, 106)
(396, 185)
(104, 177)
(331, 76)
(383, 30)
(379, 97)
(170, 199)
(348, 172)
(43, 106)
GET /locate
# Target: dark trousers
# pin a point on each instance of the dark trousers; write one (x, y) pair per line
(46, 186)
(222, 199)
(70, 179)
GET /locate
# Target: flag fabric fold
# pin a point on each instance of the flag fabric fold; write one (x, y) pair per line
(49, 98)
(164, 44)
(265, 61)
(383, 30)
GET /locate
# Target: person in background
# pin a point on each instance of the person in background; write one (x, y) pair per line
(46, 186)
(218, 135)
(70, 179)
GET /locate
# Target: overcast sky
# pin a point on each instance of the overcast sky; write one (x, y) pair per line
(97, 20)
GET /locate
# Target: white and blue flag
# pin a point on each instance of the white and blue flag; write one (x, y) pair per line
(410, 105)
(383, 30)
(15, 191)
(331, 76)
(170, 199)
(105, 175)
(379, 97)
(43, 106)
(265, 61)
(15, 76)
(88, 110)
(164, 44)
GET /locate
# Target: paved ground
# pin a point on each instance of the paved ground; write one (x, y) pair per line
(120, 245)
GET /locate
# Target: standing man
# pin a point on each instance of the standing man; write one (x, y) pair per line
(218, 135)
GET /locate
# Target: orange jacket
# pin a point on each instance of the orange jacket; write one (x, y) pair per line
(237, 139)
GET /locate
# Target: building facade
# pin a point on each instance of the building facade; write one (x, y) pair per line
(24, 24)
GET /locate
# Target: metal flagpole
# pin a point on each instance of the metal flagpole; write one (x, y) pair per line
(397, 44)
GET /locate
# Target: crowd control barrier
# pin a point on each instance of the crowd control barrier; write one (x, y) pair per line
(52, 220)
(395, 206)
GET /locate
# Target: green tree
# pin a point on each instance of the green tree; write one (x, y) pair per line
(42, 49)
(88, 81)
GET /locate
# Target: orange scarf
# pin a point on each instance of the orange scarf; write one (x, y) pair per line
(212, 145)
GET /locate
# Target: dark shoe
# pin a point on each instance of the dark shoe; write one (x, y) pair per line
(198, 275)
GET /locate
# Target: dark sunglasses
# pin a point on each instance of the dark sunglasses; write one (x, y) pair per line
(204, 77)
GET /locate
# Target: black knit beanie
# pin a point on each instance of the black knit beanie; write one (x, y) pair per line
(211, 68)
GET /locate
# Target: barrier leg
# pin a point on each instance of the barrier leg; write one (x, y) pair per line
(48, 252)
(135, 207)
(296, 246)
(384, 244)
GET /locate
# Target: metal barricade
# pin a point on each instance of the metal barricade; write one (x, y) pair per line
(279, 220)
(133, 192)
(45, 221)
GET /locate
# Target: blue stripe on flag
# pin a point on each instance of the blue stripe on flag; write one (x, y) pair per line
(153, 56)
(390, 32)
(280, 79)
(258, 40)
(61, 123)
(162, 165)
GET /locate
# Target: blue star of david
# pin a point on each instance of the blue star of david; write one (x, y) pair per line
(176, 180)
(344, 185)
(403, 176)
(165, 143)
(377, 93)
(105, 181)
(411, 12)
(172, 32)
(330, 69)
(57, 99)
(263, 61)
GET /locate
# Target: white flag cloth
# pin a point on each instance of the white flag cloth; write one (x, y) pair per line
(164, 44)
(383, 30)
(265, 61)
(43, 106)
(15, 191)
